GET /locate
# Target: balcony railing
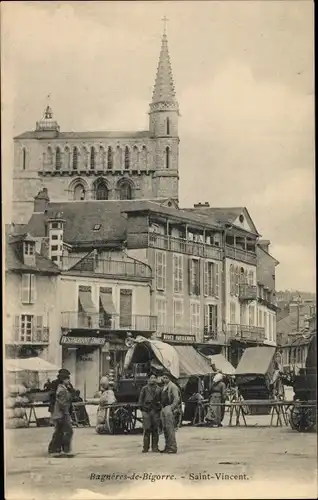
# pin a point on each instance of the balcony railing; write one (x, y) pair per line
(96, 321)
(247, 292)
(29, 336)
(239, 254)
(181, 245)
(246, 332)
(110, 267)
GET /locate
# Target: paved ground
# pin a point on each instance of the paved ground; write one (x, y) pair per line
(250, 462)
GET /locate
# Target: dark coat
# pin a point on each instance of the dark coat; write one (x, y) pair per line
(149, 398)
(63, 403)
(53, 388)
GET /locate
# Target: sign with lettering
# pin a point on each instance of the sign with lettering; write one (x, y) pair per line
(186, 339)
(79, 341)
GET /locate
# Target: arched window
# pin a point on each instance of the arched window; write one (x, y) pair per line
(49, 156)
(125, 191)
(135, 158)
(93, 158)
(119, 159)
(23, 158)
(144, 158)
(101, 190)
(167, 157)
(75, 158)
(79, 192)
(110, 158)
(67, 157)
(102, 156)
(127, 158)
(168, 126)
(58, 162)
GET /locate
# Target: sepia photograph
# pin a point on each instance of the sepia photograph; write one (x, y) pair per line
(158, 229)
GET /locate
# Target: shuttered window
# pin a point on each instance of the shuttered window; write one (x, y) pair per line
(26, 328)
(211, 279)
(251, 315)
(177, 313)
(232, 313)
(161, 306)
(125, 308)
(177, 273)
(210, 318)
(161, 268)
(195, 317)
(270, 328)
(28, 289)
(194, 277)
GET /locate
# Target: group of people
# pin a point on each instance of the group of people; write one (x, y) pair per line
(159, 400)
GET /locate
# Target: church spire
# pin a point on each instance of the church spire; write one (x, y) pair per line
(47, 124)
(164, 95)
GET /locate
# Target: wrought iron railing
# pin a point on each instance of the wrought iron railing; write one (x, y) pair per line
(103, 321)
(240, 254)
(118, 268)
(247, 292)
(180, 245)
(247, 332)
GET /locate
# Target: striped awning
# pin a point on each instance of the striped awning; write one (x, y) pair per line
(191, 362)
(107, 303)
(86, 301)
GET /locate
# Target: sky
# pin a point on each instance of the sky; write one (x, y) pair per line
(243, 73)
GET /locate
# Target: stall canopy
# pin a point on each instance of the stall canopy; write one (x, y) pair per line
(86, 301)
(164, 353)
(256, 360)
(107, 302)
(222, 364)
(192, 362)
(30, 364)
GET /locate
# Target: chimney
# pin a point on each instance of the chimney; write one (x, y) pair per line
(41, 201)
(206, 204)
(264, 244)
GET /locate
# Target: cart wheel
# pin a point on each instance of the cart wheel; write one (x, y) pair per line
(302, 419)
(130, 422)
(110, 425)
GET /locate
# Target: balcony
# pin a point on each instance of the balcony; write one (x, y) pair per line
(180, 245)
(107, 267)
(240, 254)
(247, 292)
(246, 332)
(29, 336)
(101, 321)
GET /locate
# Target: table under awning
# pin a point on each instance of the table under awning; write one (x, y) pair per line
(86, 301)
(107, 303)
(191, 362)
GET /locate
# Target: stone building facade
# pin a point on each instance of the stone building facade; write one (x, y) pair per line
(101, 165)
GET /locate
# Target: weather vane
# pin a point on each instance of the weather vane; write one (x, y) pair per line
(165, 21)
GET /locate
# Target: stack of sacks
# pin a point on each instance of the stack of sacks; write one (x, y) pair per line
(16, 398)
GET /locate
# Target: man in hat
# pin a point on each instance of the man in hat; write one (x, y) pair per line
(170, 400)
(149, 401)
(61, 416)
(55, 446)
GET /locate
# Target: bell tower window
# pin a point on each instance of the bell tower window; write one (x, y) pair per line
(75, 158)
(92, 158)
(127, 158)
(167, 157)
(101, 190)
(168, 126)
(110, 161)
(79, 192)
(125, 191)
(23, 158)
(58, 163)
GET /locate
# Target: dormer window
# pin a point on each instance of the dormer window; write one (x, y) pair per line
(29, 248)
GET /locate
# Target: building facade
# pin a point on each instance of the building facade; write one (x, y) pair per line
(102, 165)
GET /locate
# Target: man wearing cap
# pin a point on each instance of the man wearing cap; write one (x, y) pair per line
(170, 399)
(149, 401)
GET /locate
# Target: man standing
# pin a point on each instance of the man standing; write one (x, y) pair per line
(149, 401)
(63, 432)
(170, 399)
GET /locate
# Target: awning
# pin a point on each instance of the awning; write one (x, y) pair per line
(107, 303)
(256, 361)
(191, 362)
(86, 301)
(222, 364)
(35, 364)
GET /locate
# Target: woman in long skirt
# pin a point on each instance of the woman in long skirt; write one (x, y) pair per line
(215, 413)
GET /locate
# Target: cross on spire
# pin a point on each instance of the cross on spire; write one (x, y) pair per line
(165, 21)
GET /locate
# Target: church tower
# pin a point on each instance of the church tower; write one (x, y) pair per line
(163, 126)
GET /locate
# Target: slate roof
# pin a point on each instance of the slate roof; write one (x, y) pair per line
(82, 216)
(219, 214)
(13, 262)
(33, 134)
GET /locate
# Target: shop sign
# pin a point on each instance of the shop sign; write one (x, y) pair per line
(186, 339)
(79, 341)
